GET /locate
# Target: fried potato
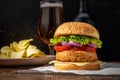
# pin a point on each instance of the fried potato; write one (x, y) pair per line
(4, 56)
(32, 51)
(23, 44)
(6, 50)
(22, 49)
(15, 46)
(19, 54)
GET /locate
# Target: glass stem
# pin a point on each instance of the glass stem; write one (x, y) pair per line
(51, 49)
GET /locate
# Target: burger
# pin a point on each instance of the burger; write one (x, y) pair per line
(75, 44)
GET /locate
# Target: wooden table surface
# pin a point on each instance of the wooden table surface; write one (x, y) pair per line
(10, 73)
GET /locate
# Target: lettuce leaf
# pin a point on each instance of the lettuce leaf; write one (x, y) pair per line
(83, 40)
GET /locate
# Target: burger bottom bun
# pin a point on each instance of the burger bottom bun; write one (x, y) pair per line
(69, 66)
(76, 56)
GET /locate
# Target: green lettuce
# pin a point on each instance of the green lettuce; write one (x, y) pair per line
(83, 40)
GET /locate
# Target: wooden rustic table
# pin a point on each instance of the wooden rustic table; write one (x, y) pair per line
(10, 73)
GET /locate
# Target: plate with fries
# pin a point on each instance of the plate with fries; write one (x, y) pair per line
(23, 53)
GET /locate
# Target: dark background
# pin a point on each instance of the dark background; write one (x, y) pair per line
(18, 20)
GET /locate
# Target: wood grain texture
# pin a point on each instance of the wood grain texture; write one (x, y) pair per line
(11, 74)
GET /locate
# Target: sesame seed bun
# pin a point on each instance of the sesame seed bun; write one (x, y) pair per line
(77, 28)
(77, 66)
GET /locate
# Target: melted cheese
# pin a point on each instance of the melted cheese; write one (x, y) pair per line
(75, 63)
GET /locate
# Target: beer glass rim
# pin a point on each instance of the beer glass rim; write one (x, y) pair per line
(51, 4)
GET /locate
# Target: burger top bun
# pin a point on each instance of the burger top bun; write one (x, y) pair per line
(77, 28)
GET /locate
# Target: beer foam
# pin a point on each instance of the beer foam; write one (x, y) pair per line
(51, 5)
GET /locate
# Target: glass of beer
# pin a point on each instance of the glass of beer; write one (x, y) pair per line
(51, 16)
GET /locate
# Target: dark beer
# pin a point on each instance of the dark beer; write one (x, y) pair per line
(51, 16)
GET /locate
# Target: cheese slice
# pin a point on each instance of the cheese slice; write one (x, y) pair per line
(75, 63)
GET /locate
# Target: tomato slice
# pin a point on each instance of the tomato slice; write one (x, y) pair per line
(83, 48)
(87, 48)
(61, 48)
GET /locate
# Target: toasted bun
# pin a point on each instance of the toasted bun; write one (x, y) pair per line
(76, 56)
(76, 28)
(71, 66)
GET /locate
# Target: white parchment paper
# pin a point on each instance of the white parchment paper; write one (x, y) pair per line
(106, 69)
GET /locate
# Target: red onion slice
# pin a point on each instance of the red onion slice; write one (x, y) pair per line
(75, 43)
(65, 44)
(92, 45)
